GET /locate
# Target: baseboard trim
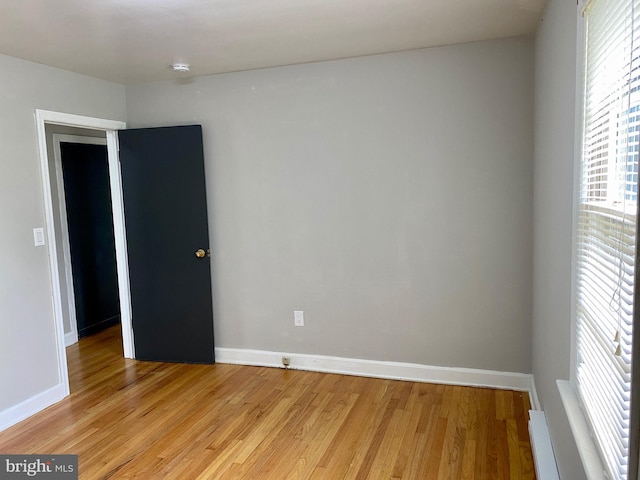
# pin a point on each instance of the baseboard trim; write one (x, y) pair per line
(533, 395)
(378, 369)
(31, 406)
(320, 363)
(70, 338)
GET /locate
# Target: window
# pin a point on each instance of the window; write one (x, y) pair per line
(606, 226)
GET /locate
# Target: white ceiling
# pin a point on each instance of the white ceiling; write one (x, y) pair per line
(133, 41)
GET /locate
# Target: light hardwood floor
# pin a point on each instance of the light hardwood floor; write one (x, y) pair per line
(143, 420)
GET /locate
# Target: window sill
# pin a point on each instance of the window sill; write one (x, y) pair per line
(586, 447)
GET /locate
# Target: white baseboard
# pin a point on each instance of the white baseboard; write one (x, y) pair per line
(379, 369)
(543, 457)
(321, 363)
(31, 406)
(70, 338)
(533, 396)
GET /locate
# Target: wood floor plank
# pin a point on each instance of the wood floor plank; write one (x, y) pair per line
(486, 453)
(420, 457)
(143, 420)
(408, 436)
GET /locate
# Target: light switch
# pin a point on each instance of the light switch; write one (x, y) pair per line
(38, 237)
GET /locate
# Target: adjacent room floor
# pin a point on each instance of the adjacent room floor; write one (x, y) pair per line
(127, 419)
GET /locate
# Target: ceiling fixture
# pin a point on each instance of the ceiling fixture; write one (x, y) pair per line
(180, 67)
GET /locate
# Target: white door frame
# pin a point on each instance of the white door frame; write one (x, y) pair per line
(110, 127)
(58, 138)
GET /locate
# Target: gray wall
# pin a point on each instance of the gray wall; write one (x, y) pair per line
(555, 53)
(28, 354)
(389, 197)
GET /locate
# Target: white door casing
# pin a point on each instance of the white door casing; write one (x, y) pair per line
(110, 127)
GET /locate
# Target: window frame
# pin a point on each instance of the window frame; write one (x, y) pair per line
(588, 449)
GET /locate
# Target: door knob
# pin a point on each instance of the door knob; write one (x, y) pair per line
(200, 253)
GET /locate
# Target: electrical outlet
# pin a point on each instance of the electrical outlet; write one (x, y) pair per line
(298, 318)
(286, 361)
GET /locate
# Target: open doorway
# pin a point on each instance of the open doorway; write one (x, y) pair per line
(107, 130)
(84, 230)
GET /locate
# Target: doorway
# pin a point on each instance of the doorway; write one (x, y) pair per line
(85, 231)
(161, 177)
(108, 130)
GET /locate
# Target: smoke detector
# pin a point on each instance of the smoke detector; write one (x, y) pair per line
(180, 67)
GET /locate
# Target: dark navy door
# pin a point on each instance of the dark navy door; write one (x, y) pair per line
(167, 243)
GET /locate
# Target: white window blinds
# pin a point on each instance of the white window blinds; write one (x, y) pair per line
(606, 232)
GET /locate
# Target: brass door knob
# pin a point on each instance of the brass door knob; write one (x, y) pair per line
(200, 253)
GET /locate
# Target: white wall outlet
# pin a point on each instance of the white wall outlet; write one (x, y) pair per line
(38, 236)
(298, 318)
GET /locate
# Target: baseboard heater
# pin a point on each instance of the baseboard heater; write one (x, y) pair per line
(543, 457)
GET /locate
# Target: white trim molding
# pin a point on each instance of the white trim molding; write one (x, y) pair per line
(543, 457)
(586, 447)
(379, 369)
(110, 127)
(81, 121)
(120, 237)
(70, 338)
(31, 406)
(533, 395)
(61, 390)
